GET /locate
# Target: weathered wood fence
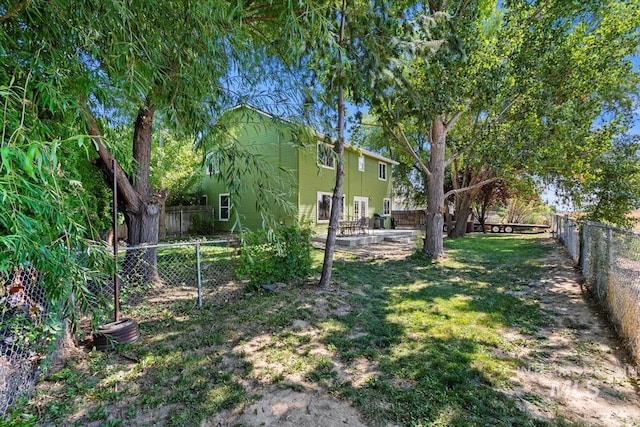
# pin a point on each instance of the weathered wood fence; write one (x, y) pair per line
(409, 219)
(178, 220)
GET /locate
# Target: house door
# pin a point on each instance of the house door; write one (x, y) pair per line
(360, 207)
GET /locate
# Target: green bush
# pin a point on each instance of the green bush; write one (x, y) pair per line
(275, 255)
(202, 223)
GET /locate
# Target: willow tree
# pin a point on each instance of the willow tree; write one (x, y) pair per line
(49, 210)
(164, 60)
(165, 66)
(526, 76)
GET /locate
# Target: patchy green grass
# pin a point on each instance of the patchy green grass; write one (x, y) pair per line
(407, 342)
(432, 330)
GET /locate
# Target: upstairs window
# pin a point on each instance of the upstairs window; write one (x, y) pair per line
(361, 163)
(325, 156)
(382, 171)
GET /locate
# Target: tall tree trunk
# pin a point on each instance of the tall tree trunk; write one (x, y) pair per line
(468, 185)
(481, 212)
(140, 203)
(336, 204)
(448, 220)
(487, 193)
(459, 179)
(434, 246)
(143, 219)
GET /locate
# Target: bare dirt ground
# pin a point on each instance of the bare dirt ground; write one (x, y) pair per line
(575, 368)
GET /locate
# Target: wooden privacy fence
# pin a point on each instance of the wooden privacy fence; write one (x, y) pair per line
(409, 218)
(179, 220)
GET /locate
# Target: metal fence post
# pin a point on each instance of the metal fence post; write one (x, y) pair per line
(199, 275)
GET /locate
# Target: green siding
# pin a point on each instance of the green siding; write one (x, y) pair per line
(270, 138)
(365, 184)
(313, 179)
(259, 136)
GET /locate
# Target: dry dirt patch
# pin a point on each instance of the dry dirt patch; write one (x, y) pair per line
(292, 408)
(575, 367)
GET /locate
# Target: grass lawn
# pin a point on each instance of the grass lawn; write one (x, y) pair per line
(406, 342)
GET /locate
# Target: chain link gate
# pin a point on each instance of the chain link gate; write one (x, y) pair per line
(170, 273)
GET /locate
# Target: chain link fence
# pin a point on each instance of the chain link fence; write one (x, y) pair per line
(609, 259)
(23, 311)
(174, 274)
(152, 279)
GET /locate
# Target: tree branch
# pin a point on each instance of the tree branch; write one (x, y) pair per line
(17, 8)
(507, 107)
(538, 11)
(453, 158)
(452, 120)
(432, 7)
(404, 141)
(407, 84)
(127, 192)
(463, 8)
(471, 187)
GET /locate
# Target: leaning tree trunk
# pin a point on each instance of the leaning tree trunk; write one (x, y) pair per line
(139, 202)
(463, 209)
(143, 218)
(434, 246)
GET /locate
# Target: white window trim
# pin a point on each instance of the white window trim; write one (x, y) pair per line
(361, 163)
(386, 172)
(333, 160)
(324, 193)
(220, 218)
(357, 200)
(388, 202)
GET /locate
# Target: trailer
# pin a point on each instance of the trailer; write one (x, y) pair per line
(512, 228)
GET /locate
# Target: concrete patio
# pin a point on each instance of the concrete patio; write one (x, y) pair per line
(371, 236)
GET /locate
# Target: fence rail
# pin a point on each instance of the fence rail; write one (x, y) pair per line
(609, 258)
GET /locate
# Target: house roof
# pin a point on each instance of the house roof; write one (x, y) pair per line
(320, 134)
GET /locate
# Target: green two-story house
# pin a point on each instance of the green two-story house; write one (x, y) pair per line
(304, 165)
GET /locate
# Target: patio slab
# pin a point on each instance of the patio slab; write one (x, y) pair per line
(372, 236)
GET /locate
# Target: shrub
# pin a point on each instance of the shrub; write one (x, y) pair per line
(202, 223)
(275, 255)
